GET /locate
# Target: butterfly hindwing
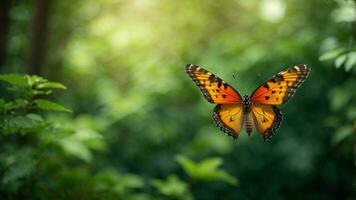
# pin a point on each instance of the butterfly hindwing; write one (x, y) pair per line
(281, 87)
(229, 118)
(213, 88)
(267, 119)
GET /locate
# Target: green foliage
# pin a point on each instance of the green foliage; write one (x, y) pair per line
(341, 57)
(20, 126)
(206, 170)
(345, 12)
(343, 133)
(48, 105)
(19, 114)
(343, 54)
(172, 187)
(79, 144)
(109, 183)
(15, 79)
(18, 164)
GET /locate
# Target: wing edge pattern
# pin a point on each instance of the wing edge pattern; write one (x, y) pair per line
(190, 68)
(221, 125)
(275, 125)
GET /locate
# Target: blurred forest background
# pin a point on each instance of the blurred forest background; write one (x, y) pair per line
(116, 117)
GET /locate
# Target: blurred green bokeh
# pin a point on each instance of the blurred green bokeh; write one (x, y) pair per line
(140, 128)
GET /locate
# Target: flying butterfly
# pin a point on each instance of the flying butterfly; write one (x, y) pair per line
(259, 110)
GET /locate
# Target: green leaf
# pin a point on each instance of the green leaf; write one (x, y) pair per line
(54, 85)
(34, 117)
(14, 79)
(206, 170)
(345, 13)
(24, 124)
(351, 61)
(76, 148)
(109, 181)
(35, 80)
(127, 182)
(39, 92)
(332, 54)
(342, 133)
(340, 60)
(132, 181)
(18, 103)
(49, 105)
(172, 186)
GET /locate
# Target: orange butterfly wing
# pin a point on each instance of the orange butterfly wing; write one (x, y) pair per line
(281, 87)
(267, 119)
(228, 118)
(227, 115)
(213, 88)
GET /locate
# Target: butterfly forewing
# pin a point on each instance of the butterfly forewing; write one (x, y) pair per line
(213, 88)
(281, 87)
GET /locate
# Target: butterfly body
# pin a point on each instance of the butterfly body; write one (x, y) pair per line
(259, 110)
(247, 119)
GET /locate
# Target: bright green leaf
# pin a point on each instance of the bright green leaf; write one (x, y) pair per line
(187, 164)
(34, 80)
(87, 134)
(127, 182)
(39, 92)
(14, 79)
(34, 117)
(172, 186)
(49, 105)
(109, 180)
(76, 148)
(340, 60)
(332, 54)
(351, 61)
(132, 181)
(345, 13)
(206, 170)
(54, 85)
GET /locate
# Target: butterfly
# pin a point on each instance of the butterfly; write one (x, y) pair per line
(259, 110)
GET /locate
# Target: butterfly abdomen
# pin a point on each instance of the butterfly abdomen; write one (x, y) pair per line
(248, 120)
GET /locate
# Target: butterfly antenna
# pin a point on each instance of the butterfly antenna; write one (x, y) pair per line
(251, 87)
(234, 76)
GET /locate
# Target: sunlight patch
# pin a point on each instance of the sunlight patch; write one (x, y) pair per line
(272, 10)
